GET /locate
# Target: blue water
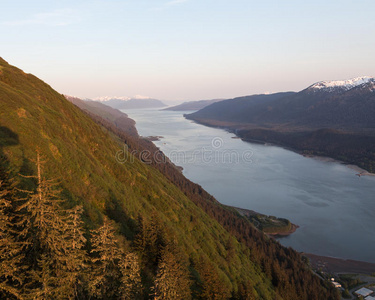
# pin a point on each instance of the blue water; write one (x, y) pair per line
(334, 208)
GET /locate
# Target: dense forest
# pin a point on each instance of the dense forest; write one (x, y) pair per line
(78, 223)
(338, 124)
(349, 109)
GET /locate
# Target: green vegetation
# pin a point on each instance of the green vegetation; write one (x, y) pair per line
(108, 230)
(271, 224)
(268, 224)
(349, 281)
(346, 294)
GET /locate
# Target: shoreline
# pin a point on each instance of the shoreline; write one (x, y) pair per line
(339, 265)
(326, 264)
(248, 212)
(152, 138)
(359, 170)
(276, 235)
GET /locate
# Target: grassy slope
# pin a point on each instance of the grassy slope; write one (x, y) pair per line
(116, 117)
(264, 252)
(82, 155)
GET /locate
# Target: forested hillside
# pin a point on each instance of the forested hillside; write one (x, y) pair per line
(342, 108)
(83, 217)
(332, 121)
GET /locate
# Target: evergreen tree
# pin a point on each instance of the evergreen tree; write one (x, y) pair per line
(55, 241)
(10, 248)
(212, 287)
(105, 275)
(245, 291)
(172, 279)
(115, 275)
(131, 286)
(75, 257)
(150, 241)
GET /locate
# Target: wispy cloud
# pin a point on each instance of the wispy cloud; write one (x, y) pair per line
(61, 17)
(169, 4)
(174, 2)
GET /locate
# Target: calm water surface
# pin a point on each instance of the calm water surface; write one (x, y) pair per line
(334, 208)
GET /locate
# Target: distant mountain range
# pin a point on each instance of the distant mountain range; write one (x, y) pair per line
(335, 111)
(138, 102)
(348, 105)
(193, 105)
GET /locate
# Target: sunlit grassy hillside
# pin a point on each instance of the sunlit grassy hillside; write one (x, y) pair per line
(81, 155)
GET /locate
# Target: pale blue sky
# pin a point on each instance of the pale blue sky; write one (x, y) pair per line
(188, 49)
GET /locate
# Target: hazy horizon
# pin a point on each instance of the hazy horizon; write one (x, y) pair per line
(184, 50)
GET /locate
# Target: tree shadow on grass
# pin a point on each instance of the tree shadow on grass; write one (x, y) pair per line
(7, 138)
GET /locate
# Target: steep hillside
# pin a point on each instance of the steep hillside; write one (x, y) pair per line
(119, 119)
(222, 253)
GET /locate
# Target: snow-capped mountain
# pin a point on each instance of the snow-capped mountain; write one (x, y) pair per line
(341, 85)
(138, 101)
(130, 103)
(346, 104)
(108, 98)
(369, 86)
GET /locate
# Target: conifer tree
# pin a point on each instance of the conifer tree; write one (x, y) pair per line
(115, 275)
(75, 258)
(212, 287)
(105, 273)
(43, 229)
(150, 241)
(10, 248)
(54, 242)
(172, 279)
(131, 285)
(245, 291)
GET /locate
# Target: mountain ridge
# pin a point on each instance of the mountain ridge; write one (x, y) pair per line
(301, 120)
(344, 85)
(131, 103)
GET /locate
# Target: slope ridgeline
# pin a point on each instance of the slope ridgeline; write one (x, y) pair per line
(329, 118)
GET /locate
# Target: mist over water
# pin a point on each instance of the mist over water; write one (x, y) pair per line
(334, 208)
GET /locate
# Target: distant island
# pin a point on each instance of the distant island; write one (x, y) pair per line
(193, 105)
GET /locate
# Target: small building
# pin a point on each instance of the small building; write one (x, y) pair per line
(370, 298)
(336, 284)
(363, 292)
